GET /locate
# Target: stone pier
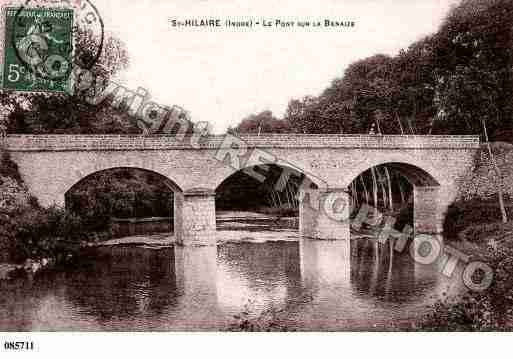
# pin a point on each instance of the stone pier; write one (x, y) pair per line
(429, 210)
(195, 218)
(324, 214)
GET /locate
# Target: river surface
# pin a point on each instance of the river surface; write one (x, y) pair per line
(269, 276)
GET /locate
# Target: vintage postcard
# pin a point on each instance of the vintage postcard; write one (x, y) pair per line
(255, 166)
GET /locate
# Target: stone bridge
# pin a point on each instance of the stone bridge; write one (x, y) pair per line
(194, 167)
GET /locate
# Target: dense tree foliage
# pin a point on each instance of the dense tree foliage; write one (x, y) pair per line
(474, 68)
(445, 83)
(264, 122)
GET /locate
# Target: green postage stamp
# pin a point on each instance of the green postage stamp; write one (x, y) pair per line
(38, 47)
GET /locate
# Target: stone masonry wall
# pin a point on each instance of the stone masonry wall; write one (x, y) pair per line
(429, 210)
(51, 170)
(138, 142)
(195, 219)
(322, 218)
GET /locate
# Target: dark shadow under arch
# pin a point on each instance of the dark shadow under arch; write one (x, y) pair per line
(165, 180)
(415, 175)
(244, 188)
(397, 200)
(124, 201)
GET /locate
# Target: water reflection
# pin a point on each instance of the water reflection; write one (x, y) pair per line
(380, 272)
(325, 264)
(316, 285)
(258, 276)
(124, 281)
(196, 278)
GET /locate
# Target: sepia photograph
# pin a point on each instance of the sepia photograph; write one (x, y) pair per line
(231, 166)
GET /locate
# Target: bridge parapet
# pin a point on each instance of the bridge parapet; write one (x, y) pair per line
(22, 143)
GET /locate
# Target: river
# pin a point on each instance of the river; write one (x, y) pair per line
(262, 272)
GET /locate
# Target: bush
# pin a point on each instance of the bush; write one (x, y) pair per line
(7, 237)
(482, 182)
(40, 233)
(9, 168)
(14, 198)
(463, 214)
(496, 230)
(267, 321)
(464, 313)
(26, 229)
(479, 311)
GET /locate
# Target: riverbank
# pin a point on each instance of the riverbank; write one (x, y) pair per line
(474, 223)
(30, 267)
(477, 200)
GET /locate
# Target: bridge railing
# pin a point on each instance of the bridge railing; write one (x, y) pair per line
(163, 142)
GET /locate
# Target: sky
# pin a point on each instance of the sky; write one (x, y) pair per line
(223, 75)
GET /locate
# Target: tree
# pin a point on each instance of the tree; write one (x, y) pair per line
(477, 37)
(264, 122)
(301, 115)
(13, 196)
(60, 113)
(470, 97)
(412, 87)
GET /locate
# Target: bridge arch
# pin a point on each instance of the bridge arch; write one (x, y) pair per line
(430, 199)
(172, 185)
(271, 186)
(288, 169)
(419, 170)
(415, 174)
(262, 173)
(163, 192)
